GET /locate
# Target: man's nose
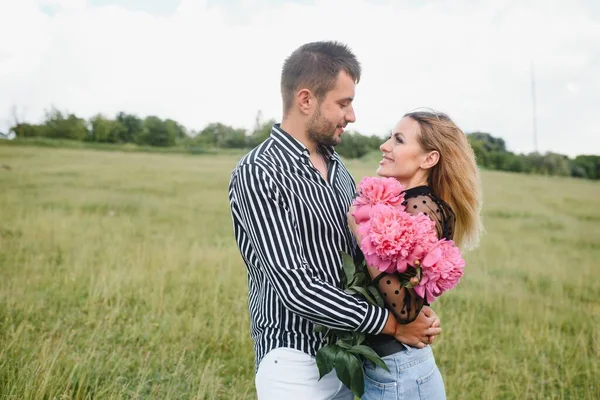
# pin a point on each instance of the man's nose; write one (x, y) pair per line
(351, 116)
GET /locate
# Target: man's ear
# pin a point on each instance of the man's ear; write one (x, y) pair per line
(432, 158)
(305, 101)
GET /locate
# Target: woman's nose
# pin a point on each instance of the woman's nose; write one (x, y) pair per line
(385, 147)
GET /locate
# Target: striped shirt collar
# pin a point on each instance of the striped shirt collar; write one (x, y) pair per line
(296, 149)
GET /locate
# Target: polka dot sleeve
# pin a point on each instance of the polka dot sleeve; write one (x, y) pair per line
(404, 303)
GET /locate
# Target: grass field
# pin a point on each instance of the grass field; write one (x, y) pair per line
(119, 279)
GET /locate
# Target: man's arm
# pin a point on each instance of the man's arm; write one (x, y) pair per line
(275, 238)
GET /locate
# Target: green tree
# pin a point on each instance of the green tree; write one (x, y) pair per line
(513, 162)
(260, 133)
(481, 155)
(533, 162)
(556, 164)
(221, 135)
(234, 139)
(589, 165)
(157, 133)
(208, 135)
(130, 127)
(60, 127)
(23, 130)
(355, 145)
(104, 130)
(487, 141)
(374, 141)
(176, 129)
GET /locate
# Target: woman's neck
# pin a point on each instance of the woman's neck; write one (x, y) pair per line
(414, 183)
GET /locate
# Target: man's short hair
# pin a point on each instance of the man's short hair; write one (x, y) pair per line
(315, 66)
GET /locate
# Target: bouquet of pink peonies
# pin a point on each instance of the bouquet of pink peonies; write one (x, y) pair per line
(392, 240)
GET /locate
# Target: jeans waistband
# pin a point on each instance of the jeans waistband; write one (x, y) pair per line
(388, 348)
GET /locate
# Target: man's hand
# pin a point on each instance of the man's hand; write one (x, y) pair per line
(421, 331)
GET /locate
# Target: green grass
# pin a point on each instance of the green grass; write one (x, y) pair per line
(119, 278)
(120, 147)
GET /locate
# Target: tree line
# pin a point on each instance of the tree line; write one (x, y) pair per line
(491, 152)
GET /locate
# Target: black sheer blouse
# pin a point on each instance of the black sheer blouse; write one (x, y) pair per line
(404, 303)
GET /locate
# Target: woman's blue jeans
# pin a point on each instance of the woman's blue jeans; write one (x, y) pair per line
(413, 375)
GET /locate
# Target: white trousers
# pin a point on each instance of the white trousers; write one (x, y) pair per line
(290, 374)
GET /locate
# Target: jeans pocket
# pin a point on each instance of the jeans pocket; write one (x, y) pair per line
(431, 385)
(379, 384)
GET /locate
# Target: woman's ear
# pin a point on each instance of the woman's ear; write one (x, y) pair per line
(431, 160)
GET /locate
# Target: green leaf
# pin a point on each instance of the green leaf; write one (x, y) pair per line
(349, 370)
(326, 359)
(345, 343)
(364, 293)
(361, 279)
(345, 335)
(377, 296)
(321, 328)
(336, 334)
(370, 355)
(349, 268)
(358, 338)
(361, 266)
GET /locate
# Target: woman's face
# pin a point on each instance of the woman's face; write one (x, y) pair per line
(403, 155)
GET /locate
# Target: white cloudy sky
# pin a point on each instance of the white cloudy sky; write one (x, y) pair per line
(200, 61)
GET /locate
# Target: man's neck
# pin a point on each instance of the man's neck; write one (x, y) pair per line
(298, 131)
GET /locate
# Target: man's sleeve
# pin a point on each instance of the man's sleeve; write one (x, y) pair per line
(274, 236)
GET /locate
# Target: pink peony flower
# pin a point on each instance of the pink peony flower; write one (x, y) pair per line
(442, 268)
(361, 213)
(375, 190)
(391, 238)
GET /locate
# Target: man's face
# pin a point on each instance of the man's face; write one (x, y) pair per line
(333, 113)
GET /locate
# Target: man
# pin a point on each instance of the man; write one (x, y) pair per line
(289, 199)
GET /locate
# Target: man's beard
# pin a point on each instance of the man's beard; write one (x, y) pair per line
(322, 131)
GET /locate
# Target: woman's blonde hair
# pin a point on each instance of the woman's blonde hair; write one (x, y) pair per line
(455, 178)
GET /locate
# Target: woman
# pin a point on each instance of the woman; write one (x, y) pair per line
(432, 158)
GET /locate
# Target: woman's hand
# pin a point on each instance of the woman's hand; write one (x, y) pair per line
(421, 331)
(428, 311)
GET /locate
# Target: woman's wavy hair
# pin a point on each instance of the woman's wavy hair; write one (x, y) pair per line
(455, 178)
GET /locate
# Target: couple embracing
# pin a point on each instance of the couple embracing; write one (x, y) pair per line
(290, 202)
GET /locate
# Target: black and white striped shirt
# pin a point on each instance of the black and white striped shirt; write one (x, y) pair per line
(290, 227)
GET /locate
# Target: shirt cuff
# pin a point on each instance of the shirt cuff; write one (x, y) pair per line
(374, 321)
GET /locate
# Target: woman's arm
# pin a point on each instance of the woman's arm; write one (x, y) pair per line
(404, 303)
